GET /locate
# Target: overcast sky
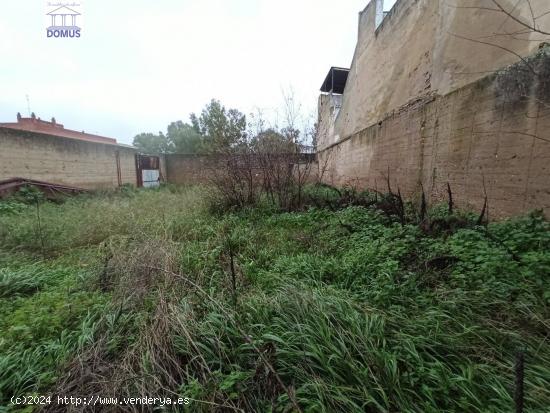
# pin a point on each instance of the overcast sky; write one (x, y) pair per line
(140, 64)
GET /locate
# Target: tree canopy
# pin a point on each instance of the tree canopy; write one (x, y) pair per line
(216, 129)
(270, 141)
(151, 143)
(221, 128)
(184, 138)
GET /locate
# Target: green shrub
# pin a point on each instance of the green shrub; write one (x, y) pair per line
(11, 207)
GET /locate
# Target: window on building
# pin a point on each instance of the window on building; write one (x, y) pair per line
(382, 9)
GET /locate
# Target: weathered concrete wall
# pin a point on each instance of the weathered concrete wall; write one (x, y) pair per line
(328, 108)
(426, 47)
(203, 169)
(193, 169)
(427, 102)
(182, 169)
(61, 160)
(492, 135)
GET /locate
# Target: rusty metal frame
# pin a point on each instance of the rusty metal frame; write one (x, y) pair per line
(12, 185)
(118, 171)
(146, 162)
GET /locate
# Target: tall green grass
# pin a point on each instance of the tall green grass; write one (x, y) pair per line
(46, 317)
(323, 310)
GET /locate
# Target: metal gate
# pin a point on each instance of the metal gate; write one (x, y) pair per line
(148, 171)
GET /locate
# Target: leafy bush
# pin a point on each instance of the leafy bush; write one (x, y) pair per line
(11, 207)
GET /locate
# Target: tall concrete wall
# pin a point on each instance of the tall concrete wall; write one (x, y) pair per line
(190, 169)
(182, 169)
(428, 101)
(62, 160)
(491, 136)
(429, 47)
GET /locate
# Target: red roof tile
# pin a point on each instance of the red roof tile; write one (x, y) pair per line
(34, 124)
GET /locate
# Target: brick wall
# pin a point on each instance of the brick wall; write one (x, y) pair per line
(488, 136)
(62, 160)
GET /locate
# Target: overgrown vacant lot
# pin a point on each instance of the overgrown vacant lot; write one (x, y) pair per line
(147, 293)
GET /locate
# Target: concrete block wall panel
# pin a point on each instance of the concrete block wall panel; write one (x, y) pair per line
(425, 47)
(61, 160)
(188, 169)
(469, 138)
(425, 104)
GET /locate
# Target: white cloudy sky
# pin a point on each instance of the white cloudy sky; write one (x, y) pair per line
(141, 64)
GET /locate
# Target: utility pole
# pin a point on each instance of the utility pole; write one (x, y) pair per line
(28, 105)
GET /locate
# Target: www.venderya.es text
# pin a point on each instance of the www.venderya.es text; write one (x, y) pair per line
(96, 400)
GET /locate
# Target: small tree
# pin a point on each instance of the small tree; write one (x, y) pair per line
(184, 138)
(153, 144)
(222, 129)
(33, 196)
(270, 164)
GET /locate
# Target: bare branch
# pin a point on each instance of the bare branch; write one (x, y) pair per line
(542, 15)
(531, 68)
(518, 20)
(532, 14)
